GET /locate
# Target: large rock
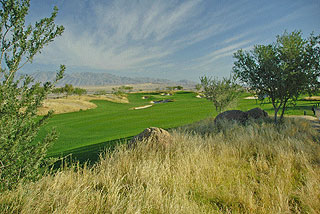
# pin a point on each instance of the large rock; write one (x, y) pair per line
(235, 115)
(257, 113)
(154, 135)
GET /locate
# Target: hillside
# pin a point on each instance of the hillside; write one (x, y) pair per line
(258, 168)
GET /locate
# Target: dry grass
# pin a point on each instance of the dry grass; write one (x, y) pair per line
(260, 168)
(76, 103)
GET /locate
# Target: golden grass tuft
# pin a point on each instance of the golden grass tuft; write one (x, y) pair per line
(258, 168)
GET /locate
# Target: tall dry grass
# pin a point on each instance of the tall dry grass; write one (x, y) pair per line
(258, 168)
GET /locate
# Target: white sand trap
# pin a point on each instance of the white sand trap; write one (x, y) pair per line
(313, 98)
(142, 107)
(251, 98)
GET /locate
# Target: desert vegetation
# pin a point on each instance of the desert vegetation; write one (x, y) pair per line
(257, 168)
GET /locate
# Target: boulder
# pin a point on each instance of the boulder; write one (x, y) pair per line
(155, 135)
(257, 113)
(235, 115)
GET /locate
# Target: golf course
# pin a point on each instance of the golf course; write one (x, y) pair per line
(84, 134)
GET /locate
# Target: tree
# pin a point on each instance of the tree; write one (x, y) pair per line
(68, 89)
(57, 90)
(179, 87)
(79, 91)
(198, 87)
(282, 71)
(223, 93)
(21, 156)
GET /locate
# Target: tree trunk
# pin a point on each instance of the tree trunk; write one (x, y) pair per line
(275, 114)
(276, 109)
(283, 110)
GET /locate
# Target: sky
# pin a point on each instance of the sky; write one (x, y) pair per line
(168, 39)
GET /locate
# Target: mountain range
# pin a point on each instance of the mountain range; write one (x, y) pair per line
(100, 79)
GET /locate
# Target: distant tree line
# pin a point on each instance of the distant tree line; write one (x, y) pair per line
(68, 89)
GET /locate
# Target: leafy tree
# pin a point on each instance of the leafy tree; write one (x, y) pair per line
(119, 92)
(198, 87)
(223, 93)
(100, 92)
(283, 70)
(79, 91)
(21, 157)
(127, 88)
(57, 90)
(179, 87)
(68, 89)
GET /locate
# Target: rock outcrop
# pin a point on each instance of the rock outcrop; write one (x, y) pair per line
(257, 113)
(240, 116)
(154, 135)
(235, 115)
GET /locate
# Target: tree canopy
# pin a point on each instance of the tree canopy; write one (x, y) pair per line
(283, 70)
(223, 93)
(21, 157)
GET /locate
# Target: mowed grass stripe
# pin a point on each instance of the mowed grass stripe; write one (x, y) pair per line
(110, 121)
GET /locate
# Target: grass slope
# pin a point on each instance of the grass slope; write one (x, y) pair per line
(110, 121)
(258, 168)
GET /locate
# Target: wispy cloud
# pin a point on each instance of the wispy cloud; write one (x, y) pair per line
(171, 35)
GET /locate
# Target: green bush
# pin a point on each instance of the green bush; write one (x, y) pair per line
(21, 157)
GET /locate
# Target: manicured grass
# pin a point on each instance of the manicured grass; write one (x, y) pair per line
(87, 133)
(299, 109)
(110, 121)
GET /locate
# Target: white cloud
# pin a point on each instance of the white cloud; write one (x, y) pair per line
(141, 35)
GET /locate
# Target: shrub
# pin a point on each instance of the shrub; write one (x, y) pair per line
(21, 157)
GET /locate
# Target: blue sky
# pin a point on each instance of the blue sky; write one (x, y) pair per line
(169, 39)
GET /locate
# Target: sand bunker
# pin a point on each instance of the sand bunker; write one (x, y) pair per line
(76, 103)
(313, 98)
(251, 98)
(141, 107)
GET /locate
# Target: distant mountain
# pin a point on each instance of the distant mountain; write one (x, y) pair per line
(99, 79)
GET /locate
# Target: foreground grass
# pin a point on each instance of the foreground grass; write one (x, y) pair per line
(259, 168)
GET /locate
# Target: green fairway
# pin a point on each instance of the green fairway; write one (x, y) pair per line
(110, 121)
(86, 133)
(302, 106)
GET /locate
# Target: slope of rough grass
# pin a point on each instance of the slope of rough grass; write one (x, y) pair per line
(260, 168)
